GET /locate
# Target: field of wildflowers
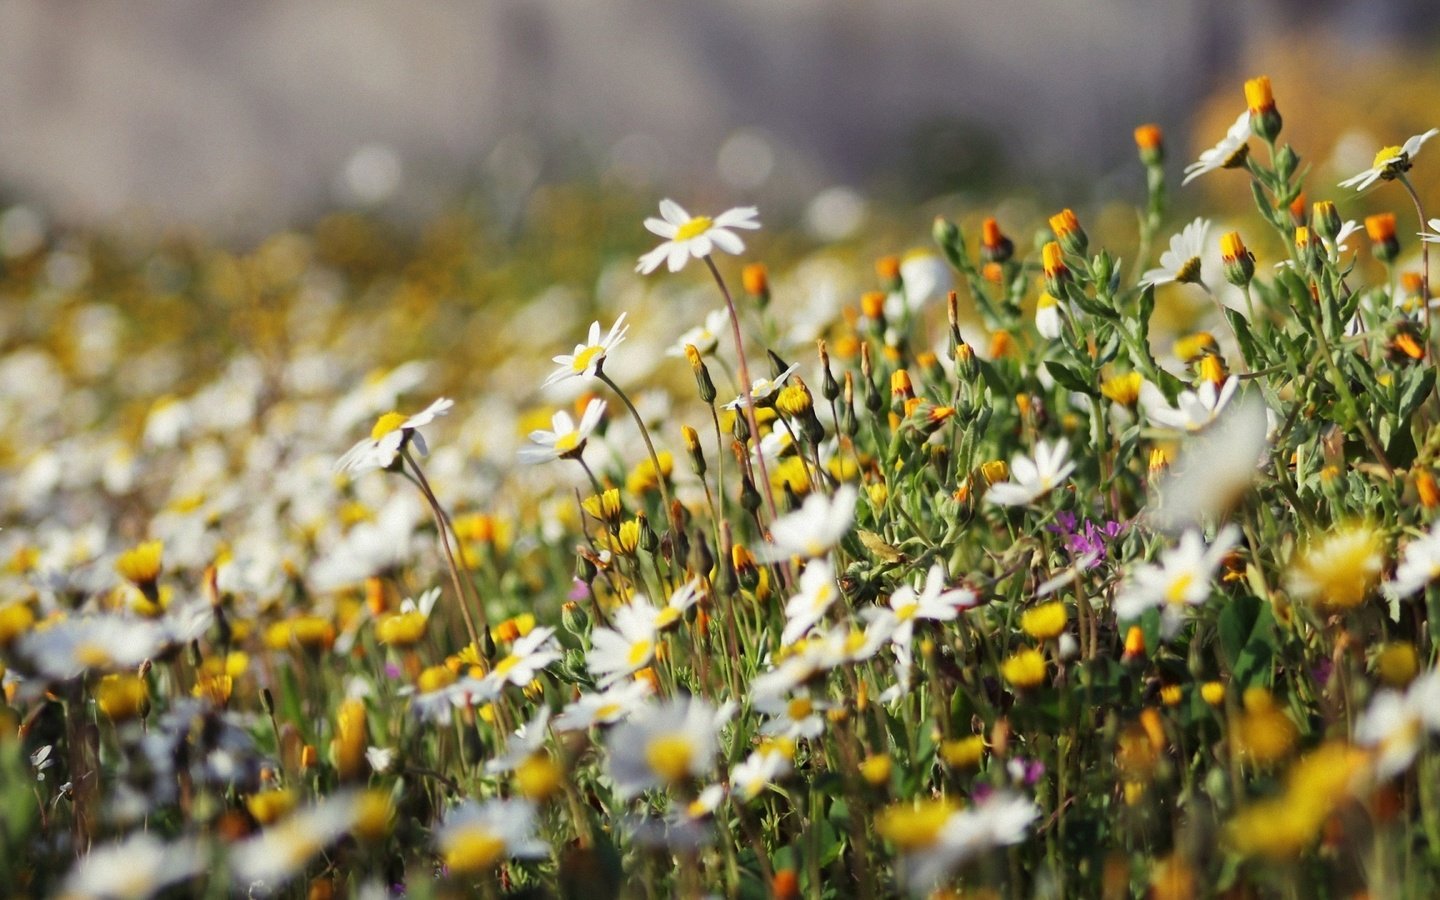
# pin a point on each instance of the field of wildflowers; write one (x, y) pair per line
(1008, 568)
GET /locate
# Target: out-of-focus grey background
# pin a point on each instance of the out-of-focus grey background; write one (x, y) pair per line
(245, 115)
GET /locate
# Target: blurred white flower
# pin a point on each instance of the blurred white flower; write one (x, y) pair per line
(1181, 578)
(815, 528)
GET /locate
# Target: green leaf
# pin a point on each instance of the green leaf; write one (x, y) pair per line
(1070, 379)
(1246, 633)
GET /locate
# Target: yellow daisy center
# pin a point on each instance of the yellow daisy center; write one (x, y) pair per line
(693, 228)
(386, 424)
(822, 597)
(799, 708)
(639, 652)
(581, 362)
(1386, 156)
(667, 617)
(1189, 272)
(92, 655)
(911, 828)
(474, 851)
(567, 442)
(506, 664)
(669, 756)
(1175, 593)
(608, 710)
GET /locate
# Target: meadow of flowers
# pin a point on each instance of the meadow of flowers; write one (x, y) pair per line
(1008, 566)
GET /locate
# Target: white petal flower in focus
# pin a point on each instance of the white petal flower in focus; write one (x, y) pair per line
(694, 237)
(1390, 162)
(567, 439)
(1183, 261)
(587, 358)
(391, 434)
(1224, 154)
(1031, 479)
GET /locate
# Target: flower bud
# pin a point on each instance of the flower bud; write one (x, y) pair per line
(1326, 220)
(1057, 274)
(1134, 644)
(995, 247)
(887, 269)
(951, 241)
(1238, 260)
(756, 280)
(691, 437)
(574, 618)
(1150, 141)
(1307, 249)
(1069, 233)
(1383, 243)
(1265, 119)
(829, 387)
(702, 374)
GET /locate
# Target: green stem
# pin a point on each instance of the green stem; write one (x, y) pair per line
(746, 401)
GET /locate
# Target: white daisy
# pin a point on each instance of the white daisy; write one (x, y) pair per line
(684, 597)
(764, 388)
(567, 440)
(528, 655)
(1214, 469)
(665, 743)
(688, 236)
(1433, 235)
(606, 708)
(1032, 479)
(1419, 565)
(1395, 724)
(139, 866)
(1183, 261)
(760, 769)
(1390, 162)
(527, 741)
(1193, 410)
(1181, 578)
(800, 716)
(1223, 154)
(628, 647)
(935, 838)
(934, 603)
(587, 358)
(703, 338)
(818, 592)
(391, 434)
(815, 528)
(475, 837)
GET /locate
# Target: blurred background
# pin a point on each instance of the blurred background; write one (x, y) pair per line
(247, 117)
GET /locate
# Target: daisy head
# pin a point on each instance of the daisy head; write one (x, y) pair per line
(391, 435)
(588, 357)
(694, 237)
(1390, 162)
(1230, 153)
(567, 439)
(1181, 263)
